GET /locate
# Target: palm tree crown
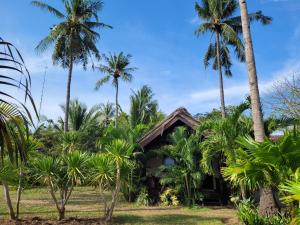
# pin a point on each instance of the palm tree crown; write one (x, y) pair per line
(117, 66)
(75, 33)
(218, 19)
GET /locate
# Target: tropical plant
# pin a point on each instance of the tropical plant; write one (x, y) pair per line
(264, 166)
(119, 152)
(143, 198)
(219, 20)
(290, 191)
(117, 66)
(60, 174)
(107, 112)
(248, 215)
(80, 117)
(184, 174)
(102, 176)
(15, 116)
(74, 38)
(219, 143)
(143, 109)
(85, 127)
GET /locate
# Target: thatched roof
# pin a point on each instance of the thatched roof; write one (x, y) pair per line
(180, 114)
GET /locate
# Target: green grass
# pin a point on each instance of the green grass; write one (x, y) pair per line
(85, 203)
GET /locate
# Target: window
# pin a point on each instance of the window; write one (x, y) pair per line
(169, 161)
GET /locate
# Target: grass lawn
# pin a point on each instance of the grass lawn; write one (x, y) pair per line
(85, 204)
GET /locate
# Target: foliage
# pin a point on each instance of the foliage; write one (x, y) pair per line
(143, 198)
(116, 66)
(264, 164)
(60, 174)
(221, 135)
(15, 116)
(184, 175)
(75, 33)
(248, 214)
(218, 18)
(107, 112)
(290, 191)
(143, 109)
(169, 198)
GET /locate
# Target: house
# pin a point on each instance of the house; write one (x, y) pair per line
(212, 188)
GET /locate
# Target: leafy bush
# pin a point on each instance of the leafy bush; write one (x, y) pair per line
(169, 198)
(143, 198)
(248, 215)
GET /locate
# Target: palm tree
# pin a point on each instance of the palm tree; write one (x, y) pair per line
(218, 20)
(143, 109)
(80, 117)
(117, 66)
(74, 38)
(257, 115)
(107, 112)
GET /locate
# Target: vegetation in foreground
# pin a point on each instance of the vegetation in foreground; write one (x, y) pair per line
(86, 205)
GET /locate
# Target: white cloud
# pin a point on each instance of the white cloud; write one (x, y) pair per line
(237, 93)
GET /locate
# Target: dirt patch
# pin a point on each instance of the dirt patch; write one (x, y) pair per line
(40, 221)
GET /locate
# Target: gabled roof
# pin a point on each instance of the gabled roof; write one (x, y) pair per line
(180, 114)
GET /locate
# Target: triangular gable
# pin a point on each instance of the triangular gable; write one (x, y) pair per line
(179, 114)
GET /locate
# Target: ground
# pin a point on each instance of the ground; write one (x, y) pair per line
(85, 208)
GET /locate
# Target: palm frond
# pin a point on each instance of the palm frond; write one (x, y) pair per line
(52, 10)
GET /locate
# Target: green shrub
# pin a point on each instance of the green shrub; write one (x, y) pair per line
(143, 198)
(248, 215)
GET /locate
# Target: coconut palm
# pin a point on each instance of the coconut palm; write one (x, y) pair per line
(74, 38)
(117, 66)
(107, 112)
(60, 174)
(80, 117)
(143, 109)
(257, 115)
(219, 20)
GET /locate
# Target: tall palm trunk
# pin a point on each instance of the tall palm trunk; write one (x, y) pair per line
(67, 106)
(117, 103)
(223, 112)
(8, 201)
(267, 204)
(258, 124)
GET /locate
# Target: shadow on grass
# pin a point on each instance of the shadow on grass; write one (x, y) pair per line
(166, 219)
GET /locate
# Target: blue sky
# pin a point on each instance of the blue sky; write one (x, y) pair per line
(159, 34)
